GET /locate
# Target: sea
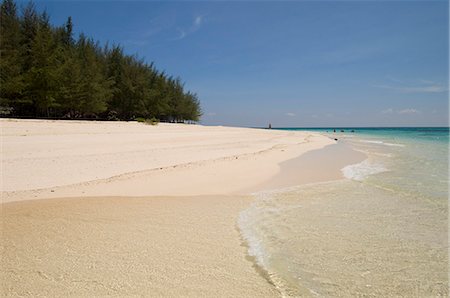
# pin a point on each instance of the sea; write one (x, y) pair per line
(381, 231)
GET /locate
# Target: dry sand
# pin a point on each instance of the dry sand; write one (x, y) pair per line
(43, 159)
(147, 210)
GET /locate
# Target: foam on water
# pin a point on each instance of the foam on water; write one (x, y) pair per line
(382, 143)
(371, 142)
(255, 244)
(362, 170)
(247, 219)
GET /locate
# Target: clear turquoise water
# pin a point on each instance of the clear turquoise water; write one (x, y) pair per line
(382, 231)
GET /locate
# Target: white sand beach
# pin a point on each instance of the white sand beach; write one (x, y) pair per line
(124, 208)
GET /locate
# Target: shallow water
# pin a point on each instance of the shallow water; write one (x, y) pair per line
(383, 231)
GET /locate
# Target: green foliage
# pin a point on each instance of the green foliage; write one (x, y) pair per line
(151, 121)
(11, 83)
(46, 72)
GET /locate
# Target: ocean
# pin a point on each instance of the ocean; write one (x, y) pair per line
(381, 231)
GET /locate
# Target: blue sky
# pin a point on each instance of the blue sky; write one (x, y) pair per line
(303, 64)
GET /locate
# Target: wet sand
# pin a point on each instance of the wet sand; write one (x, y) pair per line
(167, 246)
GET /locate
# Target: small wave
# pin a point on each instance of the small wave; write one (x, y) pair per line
(372, 142)
(362, 170)
(259, 234)
(395, 145)
(255, 246)
(383, 143)
(380, 154)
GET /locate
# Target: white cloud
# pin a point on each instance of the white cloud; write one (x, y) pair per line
(290, 114)
(408, 111)
(211, 114)
(387, 111)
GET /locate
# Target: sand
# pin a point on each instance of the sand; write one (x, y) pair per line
(124, 208)
(128, 246)
(43, 159)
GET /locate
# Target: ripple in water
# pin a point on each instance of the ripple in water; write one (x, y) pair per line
(382, 232)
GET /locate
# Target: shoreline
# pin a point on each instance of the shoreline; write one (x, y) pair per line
(205, 209)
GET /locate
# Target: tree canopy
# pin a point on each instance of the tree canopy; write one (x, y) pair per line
(46, 72)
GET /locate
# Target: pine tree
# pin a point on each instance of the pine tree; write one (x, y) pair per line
(94, 89)
(68, 33)
(69, 80)
(41, 79)
(45, 72)
(11, 83)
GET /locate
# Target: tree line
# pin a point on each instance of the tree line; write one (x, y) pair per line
(46, 72)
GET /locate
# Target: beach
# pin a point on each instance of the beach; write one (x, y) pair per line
(129, 209)
(125, 208)
(224, 149)
(70, 158)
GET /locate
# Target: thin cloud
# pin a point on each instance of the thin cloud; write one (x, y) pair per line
(182, 34)
(437, 88)
(137, 42)
(150, 30)
(426, 81)
(198, 20)
(405, 111)
(408, 111)
(353, 52)
(415, 86)
(290, 114)
(196, 24)
(394, 79)
(425, 89)
(211, 114)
